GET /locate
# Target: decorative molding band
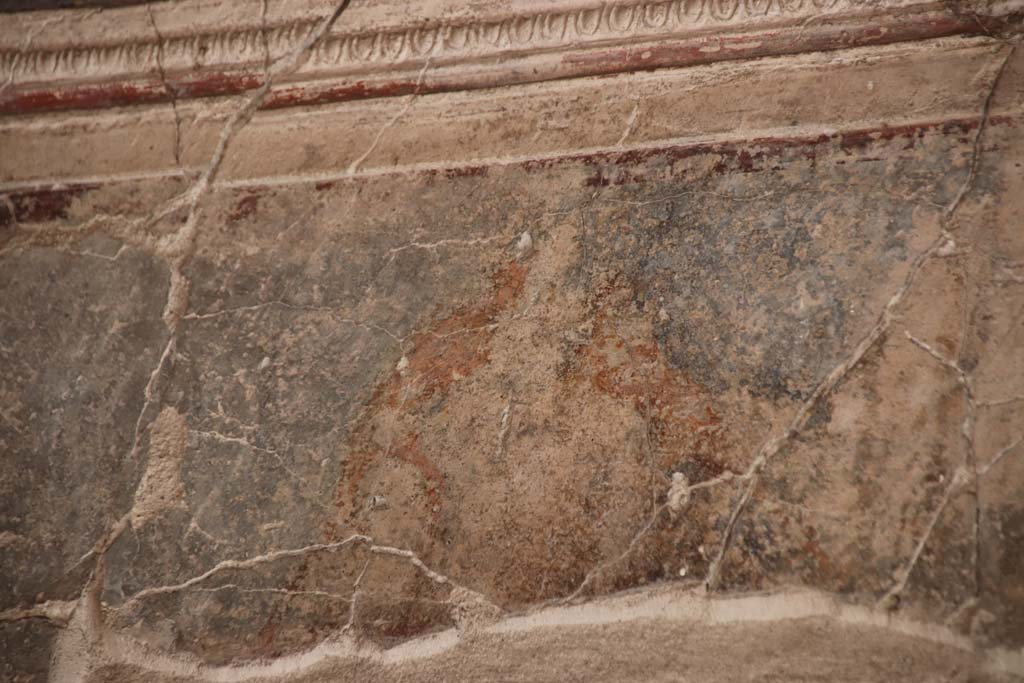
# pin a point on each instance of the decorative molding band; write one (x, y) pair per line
(575, 40)
(467, 133)
(441, 42)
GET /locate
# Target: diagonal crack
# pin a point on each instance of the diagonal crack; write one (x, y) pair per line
(630, 123)
(986, 109)
(434, 246)
(503, 430)
(1002, 453)
(773, 445)
(350, 624)
(970, 463)
(276, 591)
(171, 91)
(966, 474)
(330, 310)
(178, 249)
(354, 166)
(248, 563)
(960, 480)
(258, 560)
(677, 497)
(300, 482)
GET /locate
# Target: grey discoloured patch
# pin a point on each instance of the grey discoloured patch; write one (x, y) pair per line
(623, 400)
(756, 275)
(1004, 596)
(324, 363)
(286, 336)
(80, 335)
(25, 649)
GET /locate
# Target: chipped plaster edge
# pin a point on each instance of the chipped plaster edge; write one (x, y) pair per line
(665, 604)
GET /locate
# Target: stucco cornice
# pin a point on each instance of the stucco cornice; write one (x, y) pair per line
(139, 55)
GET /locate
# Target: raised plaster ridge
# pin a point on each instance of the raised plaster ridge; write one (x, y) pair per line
(689, 606)
(84, 644)
(572, 23)
(946, 105)
(808, 133)
(383, 56)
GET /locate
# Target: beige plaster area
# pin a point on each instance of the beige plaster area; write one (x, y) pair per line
(486, 341)
(658, 634)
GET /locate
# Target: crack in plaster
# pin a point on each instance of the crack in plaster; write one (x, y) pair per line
(963, 378)
(248, 563)
(967, 431)
(354, 166)
(171, 91)
(503, 430)
(351, 622)
(1000, 454)
(183, 244)
(676, 500)
(966, 473)
(55, 611)
(671, 604)
(630, 124)
(275, 591)
(802, 132)
(891, 598)
(177, 249)
(273, 452)
(986, 110)
(150, 397)
(831, 381)
(776, 443)
(120, 251)
(433, 246)
(295, 307)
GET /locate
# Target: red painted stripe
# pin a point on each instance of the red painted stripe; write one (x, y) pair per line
(593, 62)
(739, 156)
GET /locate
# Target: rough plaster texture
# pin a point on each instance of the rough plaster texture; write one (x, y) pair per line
(709, 373)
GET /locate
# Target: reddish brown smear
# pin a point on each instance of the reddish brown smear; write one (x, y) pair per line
(757, 154)
(410, 452)
(215, 84)
(360, 90)
(454, 346)
(407, 451)
(126, 94)
(267, 636)
(819, 564)
(787, 41)
(41, 206)
(244, 208)
(465, 172)
(94, 97)
(682, 423)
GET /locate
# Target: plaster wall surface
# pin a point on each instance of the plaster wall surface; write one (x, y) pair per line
(542, 364)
